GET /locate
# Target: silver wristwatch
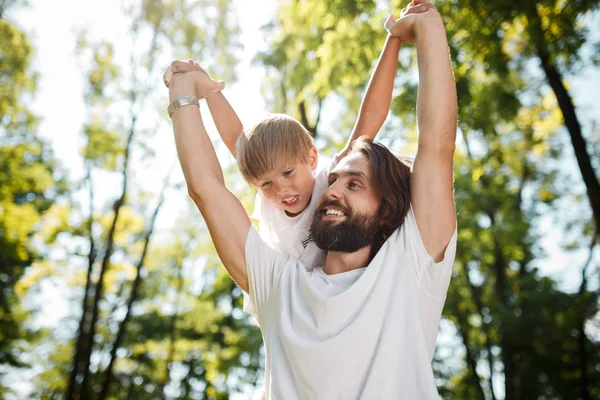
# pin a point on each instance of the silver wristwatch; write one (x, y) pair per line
(180, 102)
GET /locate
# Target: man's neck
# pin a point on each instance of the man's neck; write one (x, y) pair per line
(338, 262)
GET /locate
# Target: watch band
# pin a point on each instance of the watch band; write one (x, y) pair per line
(180, 102)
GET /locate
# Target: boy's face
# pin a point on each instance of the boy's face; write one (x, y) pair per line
(289, 187)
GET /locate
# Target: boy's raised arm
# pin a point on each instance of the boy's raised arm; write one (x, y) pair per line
(225, 217)
(228, 124)
(378, 97)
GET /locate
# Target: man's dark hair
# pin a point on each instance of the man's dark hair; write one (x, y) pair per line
(391, 177)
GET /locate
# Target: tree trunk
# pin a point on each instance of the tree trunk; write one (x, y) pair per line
(510, 383)
(132, 298)
(304, 117)
(85, 385)
(476, 295)
(567, 108)
(172, 331)
(82, 332)
(463, 330)
(565, 103)
(584, 381)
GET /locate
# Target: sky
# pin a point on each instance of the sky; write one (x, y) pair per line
(51, 27)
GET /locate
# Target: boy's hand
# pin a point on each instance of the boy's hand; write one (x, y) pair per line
(178, 67)
(193, 83)
(403, 27)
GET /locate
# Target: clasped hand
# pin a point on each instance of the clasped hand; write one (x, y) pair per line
(188, 79)
(404, 27)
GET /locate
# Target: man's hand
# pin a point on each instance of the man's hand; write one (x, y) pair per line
(403, 27)
(193, 83)
(178, 67)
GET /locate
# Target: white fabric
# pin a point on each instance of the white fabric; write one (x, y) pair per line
(291, 235)
(364, 334)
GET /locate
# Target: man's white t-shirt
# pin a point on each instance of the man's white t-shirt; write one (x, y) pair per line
(291, 235)
(364, 334)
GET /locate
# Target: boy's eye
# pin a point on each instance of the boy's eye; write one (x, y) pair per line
(288, 172)
(266, 184)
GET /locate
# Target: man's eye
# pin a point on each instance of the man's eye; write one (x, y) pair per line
(353, 185)
(266, 184)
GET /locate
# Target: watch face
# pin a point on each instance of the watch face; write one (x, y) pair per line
(182, 101)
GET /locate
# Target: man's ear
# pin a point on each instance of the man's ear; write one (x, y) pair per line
(313, 158)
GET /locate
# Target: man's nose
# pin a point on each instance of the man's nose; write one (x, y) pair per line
(333, 191)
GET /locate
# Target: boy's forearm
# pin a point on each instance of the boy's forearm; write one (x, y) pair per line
(378, 96)
(226, 120)
(436, 98)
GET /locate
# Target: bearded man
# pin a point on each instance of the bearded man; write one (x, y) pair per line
(364, 324)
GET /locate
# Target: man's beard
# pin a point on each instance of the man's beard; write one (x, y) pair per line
(352, 234)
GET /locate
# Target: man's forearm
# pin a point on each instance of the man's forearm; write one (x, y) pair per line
(223, 213)
(436, 99)
(226, 120)
(196, 154)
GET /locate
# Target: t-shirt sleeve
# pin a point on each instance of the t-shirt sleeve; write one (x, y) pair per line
(322, 175)
(433, 277)
(263, 266)
(257, 212)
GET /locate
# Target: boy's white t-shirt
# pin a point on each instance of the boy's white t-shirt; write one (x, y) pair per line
(364, 334)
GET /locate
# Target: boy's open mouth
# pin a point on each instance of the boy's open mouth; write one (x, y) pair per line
(291, 201)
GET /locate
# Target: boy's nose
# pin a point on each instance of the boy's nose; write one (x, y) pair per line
(282, 190)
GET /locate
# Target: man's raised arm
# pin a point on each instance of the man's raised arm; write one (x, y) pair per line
(432, 193)
(226, 120)
(225, 217)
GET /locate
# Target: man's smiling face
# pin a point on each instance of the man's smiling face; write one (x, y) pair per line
(346, 218)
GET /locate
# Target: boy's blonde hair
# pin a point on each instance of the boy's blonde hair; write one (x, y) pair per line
(271, 143)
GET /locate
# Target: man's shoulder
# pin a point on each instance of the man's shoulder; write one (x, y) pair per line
(407, 238)
(402, 238)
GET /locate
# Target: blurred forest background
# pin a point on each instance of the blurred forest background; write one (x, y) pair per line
(109, 285)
